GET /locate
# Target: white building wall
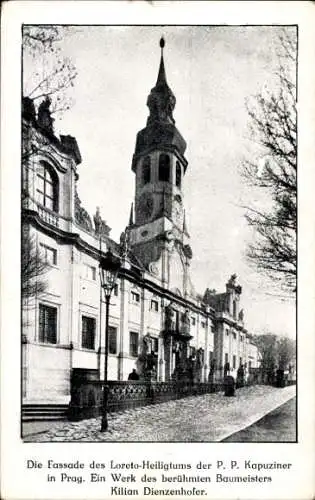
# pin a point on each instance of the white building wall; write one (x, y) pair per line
(48, 374)
(74, 293)
(253, 356)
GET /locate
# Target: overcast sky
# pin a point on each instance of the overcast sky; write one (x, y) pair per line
(211, 70)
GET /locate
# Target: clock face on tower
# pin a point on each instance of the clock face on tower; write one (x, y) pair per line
(145, 207)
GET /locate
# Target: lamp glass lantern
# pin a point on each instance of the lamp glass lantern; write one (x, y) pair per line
(109, 268)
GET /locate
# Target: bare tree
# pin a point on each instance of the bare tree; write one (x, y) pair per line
(276, 351)
(48, 76)
(286, 350)
(33, 267)
(267, 346)
(46, 71)
(273, 126)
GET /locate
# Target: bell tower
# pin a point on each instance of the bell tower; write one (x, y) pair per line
(160, 166)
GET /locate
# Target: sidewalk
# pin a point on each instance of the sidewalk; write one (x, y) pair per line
(277, 426)
(206, 418)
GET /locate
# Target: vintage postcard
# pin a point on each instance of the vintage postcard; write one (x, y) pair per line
(157, 173)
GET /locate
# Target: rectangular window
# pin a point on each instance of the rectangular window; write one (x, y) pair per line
(210, 358)
(203, 324)
(47, 324)
(212, 329)
(135, 297)
(234, 361)
(93, 273)
(112, 340)
(227, 333)
(234, 335)
(89, 272)
(133, 344)
(154, 305)
(115, 290)
(226, 358)
(88, 332)
(193, 321)
(241, 338)
(49, 255)
(241, 361)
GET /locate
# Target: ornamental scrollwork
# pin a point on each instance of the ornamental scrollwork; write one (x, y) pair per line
(81, 215)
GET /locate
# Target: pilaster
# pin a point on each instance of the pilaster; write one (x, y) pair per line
(165, 267)
(123, 330)
(206, 356)
(161, 353)
(74, 299)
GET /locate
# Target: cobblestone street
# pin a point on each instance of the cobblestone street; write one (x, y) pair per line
(211, 417)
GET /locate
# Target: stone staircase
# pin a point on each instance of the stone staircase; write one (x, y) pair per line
(44, 412)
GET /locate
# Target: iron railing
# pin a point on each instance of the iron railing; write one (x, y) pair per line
(86, 396)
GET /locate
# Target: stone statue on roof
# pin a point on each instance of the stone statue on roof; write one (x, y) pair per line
(101, 228)
(124, 242)
(44, 117)
(232, 280)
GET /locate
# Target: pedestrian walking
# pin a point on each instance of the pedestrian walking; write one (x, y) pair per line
(280, 381)
(226, 369)
(240, 379)
(229, 382)
(211, 372)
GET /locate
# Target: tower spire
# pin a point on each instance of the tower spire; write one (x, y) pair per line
(161, 79)
(161, 101)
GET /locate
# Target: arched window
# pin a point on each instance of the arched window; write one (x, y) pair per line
(47, 187)
(164, 168)
(178, 175)
(146, 170)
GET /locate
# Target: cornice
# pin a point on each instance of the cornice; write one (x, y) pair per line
(135, 275)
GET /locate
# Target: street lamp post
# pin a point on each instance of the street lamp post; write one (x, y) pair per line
(109, 267)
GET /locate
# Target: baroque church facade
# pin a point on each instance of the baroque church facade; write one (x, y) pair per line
(158, 324)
